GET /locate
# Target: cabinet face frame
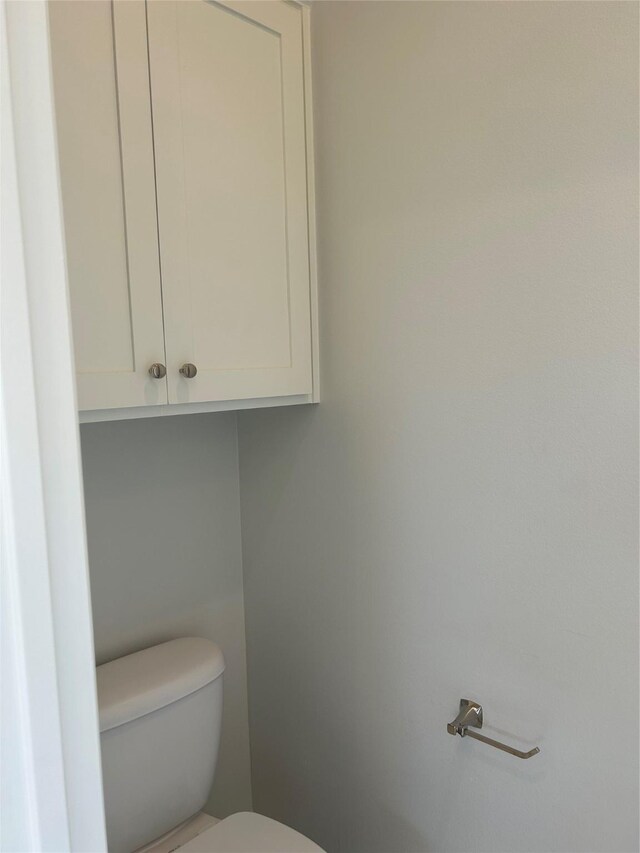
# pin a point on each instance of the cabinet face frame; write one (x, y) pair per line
(111, 386)
(305, 8)
(297, 375)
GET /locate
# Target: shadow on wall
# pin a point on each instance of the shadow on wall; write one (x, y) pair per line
(163, 524)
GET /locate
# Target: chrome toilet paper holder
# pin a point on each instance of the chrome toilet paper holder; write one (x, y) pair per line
(470, 717)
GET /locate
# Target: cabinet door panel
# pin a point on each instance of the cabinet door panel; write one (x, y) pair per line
(228, 114)
(100, 64)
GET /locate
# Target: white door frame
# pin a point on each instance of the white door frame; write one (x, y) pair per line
(51, 777)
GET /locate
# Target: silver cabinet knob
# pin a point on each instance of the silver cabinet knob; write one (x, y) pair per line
(188, 370)
(157, 370)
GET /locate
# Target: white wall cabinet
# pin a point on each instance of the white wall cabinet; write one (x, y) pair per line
(185, 158)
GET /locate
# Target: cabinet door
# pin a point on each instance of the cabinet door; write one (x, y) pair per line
(101, 86)
(229, 133)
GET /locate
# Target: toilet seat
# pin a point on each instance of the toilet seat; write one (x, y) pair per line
(248, 832)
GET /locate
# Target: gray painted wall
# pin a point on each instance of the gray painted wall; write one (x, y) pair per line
(163, 519)
(458, 516)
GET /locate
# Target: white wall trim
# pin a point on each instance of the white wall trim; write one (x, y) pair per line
(53, 778)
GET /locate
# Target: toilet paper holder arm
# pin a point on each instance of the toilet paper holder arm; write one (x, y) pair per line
(471, 716)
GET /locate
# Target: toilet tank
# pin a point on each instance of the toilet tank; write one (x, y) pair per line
(160, 715)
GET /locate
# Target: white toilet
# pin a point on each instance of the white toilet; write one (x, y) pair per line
(160, 716)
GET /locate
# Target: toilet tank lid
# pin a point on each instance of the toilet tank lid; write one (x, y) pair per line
(145, 681)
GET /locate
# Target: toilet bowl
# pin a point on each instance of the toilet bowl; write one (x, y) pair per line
(245, 832)
(160, 719)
